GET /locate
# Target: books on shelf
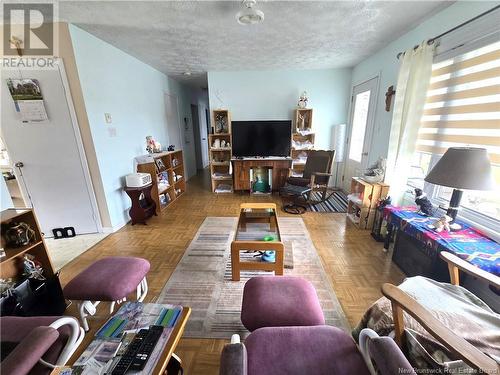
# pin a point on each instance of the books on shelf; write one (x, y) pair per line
(355, 198)
(224, 188)
(306, 145)
(165, 199)
(163, 185)
(304, 132)
(221, 175)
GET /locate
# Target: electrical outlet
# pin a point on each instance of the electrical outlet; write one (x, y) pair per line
(107, 118)
(112, 132)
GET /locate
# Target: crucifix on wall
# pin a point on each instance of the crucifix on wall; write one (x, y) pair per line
(388, 98)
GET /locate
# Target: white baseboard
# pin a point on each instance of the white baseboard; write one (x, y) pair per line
(114, 228)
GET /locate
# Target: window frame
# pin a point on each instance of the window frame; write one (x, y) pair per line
(457, 43)
(489, 225)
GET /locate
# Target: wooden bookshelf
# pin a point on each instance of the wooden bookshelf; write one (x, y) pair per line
(164, 168)
(302, 123)
(220, 154)
(11, 265)
(362, 201)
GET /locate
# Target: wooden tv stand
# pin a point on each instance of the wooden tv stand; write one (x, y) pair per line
(241, 171)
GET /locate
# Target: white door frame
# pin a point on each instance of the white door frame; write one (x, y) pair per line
(370, 123)
(81, 151)
(58, 62)
(204, 125)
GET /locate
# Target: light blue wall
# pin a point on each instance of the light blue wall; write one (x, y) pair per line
(385, 64)
(5, 200)
(273, 95)
(133, 93)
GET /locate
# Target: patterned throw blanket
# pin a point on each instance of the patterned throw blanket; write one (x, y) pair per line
(455, 307)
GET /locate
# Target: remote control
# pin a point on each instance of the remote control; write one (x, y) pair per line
(148, 345)
(138, 351)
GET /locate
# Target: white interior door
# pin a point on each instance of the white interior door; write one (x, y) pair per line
(54, 176)
(361, 129)
(197, 136)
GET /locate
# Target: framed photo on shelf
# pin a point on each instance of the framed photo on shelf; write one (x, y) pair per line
(160, 165)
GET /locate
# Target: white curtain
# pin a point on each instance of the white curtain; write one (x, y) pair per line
(411, 91)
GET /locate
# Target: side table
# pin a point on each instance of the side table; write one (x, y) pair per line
(143, 206)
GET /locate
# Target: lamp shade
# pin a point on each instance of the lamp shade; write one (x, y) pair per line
(464, 168)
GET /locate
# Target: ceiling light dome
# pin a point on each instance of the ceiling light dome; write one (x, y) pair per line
(249, 15)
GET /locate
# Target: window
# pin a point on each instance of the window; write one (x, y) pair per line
(462, 109)
(359, 123)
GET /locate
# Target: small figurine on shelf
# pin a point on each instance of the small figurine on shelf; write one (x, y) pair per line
(171, 148)
(442, 224)
(152, 145)
(303, 100)
(425, 205)
(301, 123)
(32, 268)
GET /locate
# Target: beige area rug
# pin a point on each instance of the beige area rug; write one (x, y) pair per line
(202, 279)
(64, 250)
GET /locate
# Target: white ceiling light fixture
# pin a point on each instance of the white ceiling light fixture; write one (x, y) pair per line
(249, 15)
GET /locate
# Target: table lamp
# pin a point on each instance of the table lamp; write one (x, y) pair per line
(462, 168)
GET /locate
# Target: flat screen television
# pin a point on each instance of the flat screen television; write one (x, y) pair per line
(261, 138)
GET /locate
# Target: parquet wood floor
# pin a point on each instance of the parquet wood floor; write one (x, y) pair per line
(355, 263)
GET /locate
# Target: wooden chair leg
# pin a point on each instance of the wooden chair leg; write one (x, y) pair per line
(399, 327)
(454, 274)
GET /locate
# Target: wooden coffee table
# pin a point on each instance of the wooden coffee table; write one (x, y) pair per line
(252, 238)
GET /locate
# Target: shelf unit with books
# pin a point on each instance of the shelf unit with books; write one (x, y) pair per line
(11, 264)
(220, 152)
(362, 201)
(167, 176)
(302, 139)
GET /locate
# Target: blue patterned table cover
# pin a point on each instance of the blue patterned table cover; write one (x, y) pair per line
(467, 243)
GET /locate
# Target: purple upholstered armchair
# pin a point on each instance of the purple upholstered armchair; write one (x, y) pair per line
(318, 350)
(35, 345)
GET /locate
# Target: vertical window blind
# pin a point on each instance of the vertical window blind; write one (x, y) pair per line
(463, 104)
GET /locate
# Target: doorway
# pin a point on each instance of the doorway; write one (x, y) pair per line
(173, 125)
(47, 155)
(362, 116)
(11, 181)
(197, 136)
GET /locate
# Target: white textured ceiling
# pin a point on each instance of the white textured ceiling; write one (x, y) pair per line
(200, 36)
